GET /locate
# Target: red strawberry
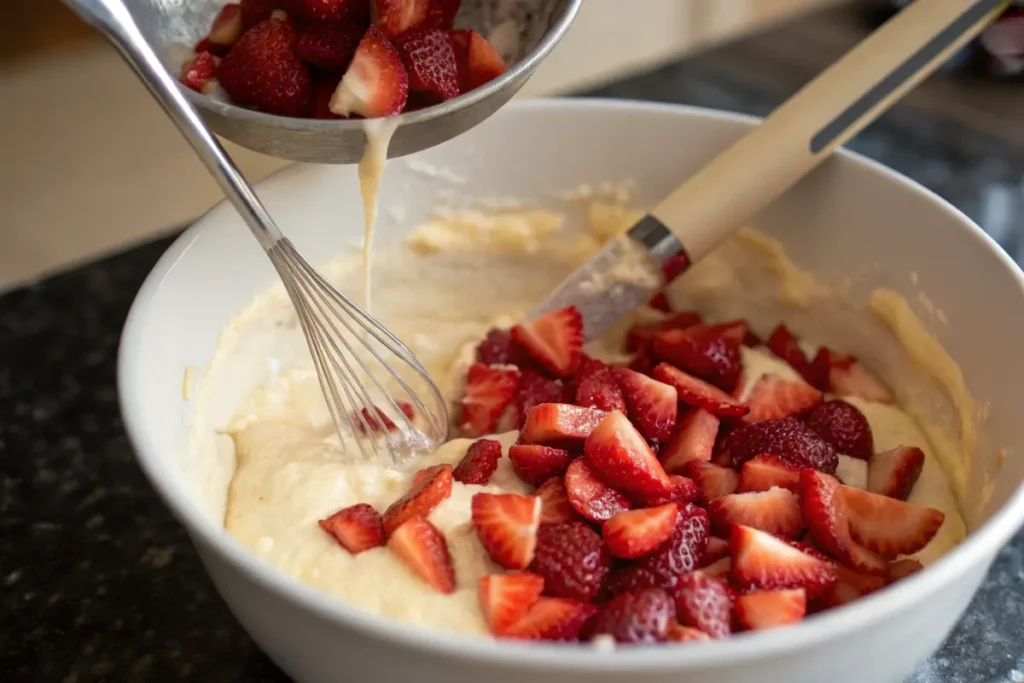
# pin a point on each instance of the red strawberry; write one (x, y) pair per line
(590, 496)
(888, 526)
(719, 569)
(787, 438)
(702, 351)
(894, 472)
(319, 106)
(773, 398)
(851, 378)
(716, 550)
(713, 481)
(356, 528)
(784, 345)
(559, 619)
(479, 463)
(488, 392)
(621, 456)
(497, 349)
(844, 427)
(901, 569)
(573, 560)
(767, 609)
(849, 586)
(776, 511)
(643, 362)
(675, 265)
(201, 72)
(680, 554)
(441, 13)
(255, 11)
(636, 533)
(423, 549)
(535, 464)
(429, 487)
(825, 513)
(430, 60)
(821, 368)
(381, 422)
(681, 634)
(652, 405)
(559, 423)
(329, 10)
(506, 598)
(601, 390)
(683, 490)
(636, 617)
(698, 394)
(765, 471)
(555, 506)
(703, 603)
(375, 83)
(394, 17)
(763, 561)
(506, 524)
(640, 335)
(739, 331)
(227, 26)
(554, 340)
(205, 45)
(262, 70)
(694, 439)
(534, 389)
(659, 302)
(328, 46)
(478, 61)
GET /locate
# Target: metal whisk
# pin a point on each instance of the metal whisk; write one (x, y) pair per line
(364, 370)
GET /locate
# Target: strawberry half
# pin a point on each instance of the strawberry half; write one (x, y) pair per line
(702, 351)
(682, 553)
(506, 598)
(641, 335)
(678, 633)
(423, 549)
(554, 503)
(394, 17)
(719, 569)
(699, 394)
(783, 344)
(888, 526)
(844, 427)
(477, 59)
(848, 377)
(227, 26)
(430, 60)
(324, 85)
(683, 491)
(621, 456)
(200, 73)
(713, 481)
(600, 388)
(652, 405)
(894, 472)
(328, 46)
(506, 524)
(429, 488)
(763, 561)
(478, 465)
(356, 528)
(774, 397)
(758, 610)
(694, 439)
(262, 70)
(825, 513)
(573, 560)
(553, 340)
(636, 533)
(534, 389)
(558, 619)
(560, 423)
(376, 83)
(776, 511)
(590, 496)
(535, 464)
(787, 438)
(849, 586)
(635, 617)
(716, 550)
(766, 471)
(488, 392)
(703, 602)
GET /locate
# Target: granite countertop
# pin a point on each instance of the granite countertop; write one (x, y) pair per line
(99, 583)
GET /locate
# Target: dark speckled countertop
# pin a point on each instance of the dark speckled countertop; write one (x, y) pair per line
(98, 583)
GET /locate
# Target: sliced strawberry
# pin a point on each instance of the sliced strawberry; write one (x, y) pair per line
(849, 377)
(713, 481)
(739, 331)
(760, 560)
(429, 488)
(430, 60)
(534, 389)
(554, 340)
(227, 25)
(328, 46)
(765, 471)
(652, 405)
(702, 351)
(329, 10)
(641, 335)
(683, 490)
(677, 633)
(719, 569)
(590, 496)
(356, 528)
(555, 506)
(441, 13)
(680, 554)
(787, 438)
(776, 511)
(558, 619)
(716, 550)
(423, 549)
(894, 472)
(844, 427)
(573, 560)
(636, 533)
(659, 302)
(535, 464)
(375, 83)
(497, 348)
(675, 265)
(478, 61)
(560, 423)
(380, 422)
(205, 45)
(825, 513)
(773, 398)
(699, 394)
(758, 610)
(262, 70)
(621, 456)
(703, 602)
(901, 569)
(324, 85)
(506, 598)
(488, 392)
(784, 345)
(394, 17)
(635, 618)
(694, 439)
(849, 586)
(600, 388)
(643, 362)
(506, 524)
(888, 526)
(821, 368)
(478, 465)
(200, 73)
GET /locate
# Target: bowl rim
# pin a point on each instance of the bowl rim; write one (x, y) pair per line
(980, 546)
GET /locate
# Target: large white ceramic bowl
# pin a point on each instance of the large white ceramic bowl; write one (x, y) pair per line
(852, 217)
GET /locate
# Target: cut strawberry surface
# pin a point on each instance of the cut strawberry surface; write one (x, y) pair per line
(263, 71)
(678, 633)
(702, 351)
(825, 513)
(506, 598)
(713, 481)
(429, 487)
(894, 472)
(758, 610)
(590, 496)
(430, 60)
(849, 586)
(853, 379)
(600, 388)
(760, 560)
(774, 397)
(560, 423)
(488, 392)
(719, 569)
(376, 83)
(765, 471)
(888, 526)
(636, 533)
(555, 506)
(641, 335)
(227, 26)
(844, 427)
(534, 389)
(682, 553)
(478, 465)
(651, 405)
(699, 394)
(479, 63)
(716, 550)
(621, 457)
(553, 340)
(787, 438)
(423, 549)
(694, 439)
(328, 46)
(506, 524)
(557, 619)
(394, 17)
(783, 344)
(901, 569)
(201, 72)
(573, 560)
(703, 602)
(776, 511)
(683, 490)
(535, 464)
(635, 617)
(356, 528)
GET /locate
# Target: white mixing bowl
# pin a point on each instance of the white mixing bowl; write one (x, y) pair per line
(852, 217)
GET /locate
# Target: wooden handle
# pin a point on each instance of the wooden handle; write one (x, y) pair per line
(826, 113)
